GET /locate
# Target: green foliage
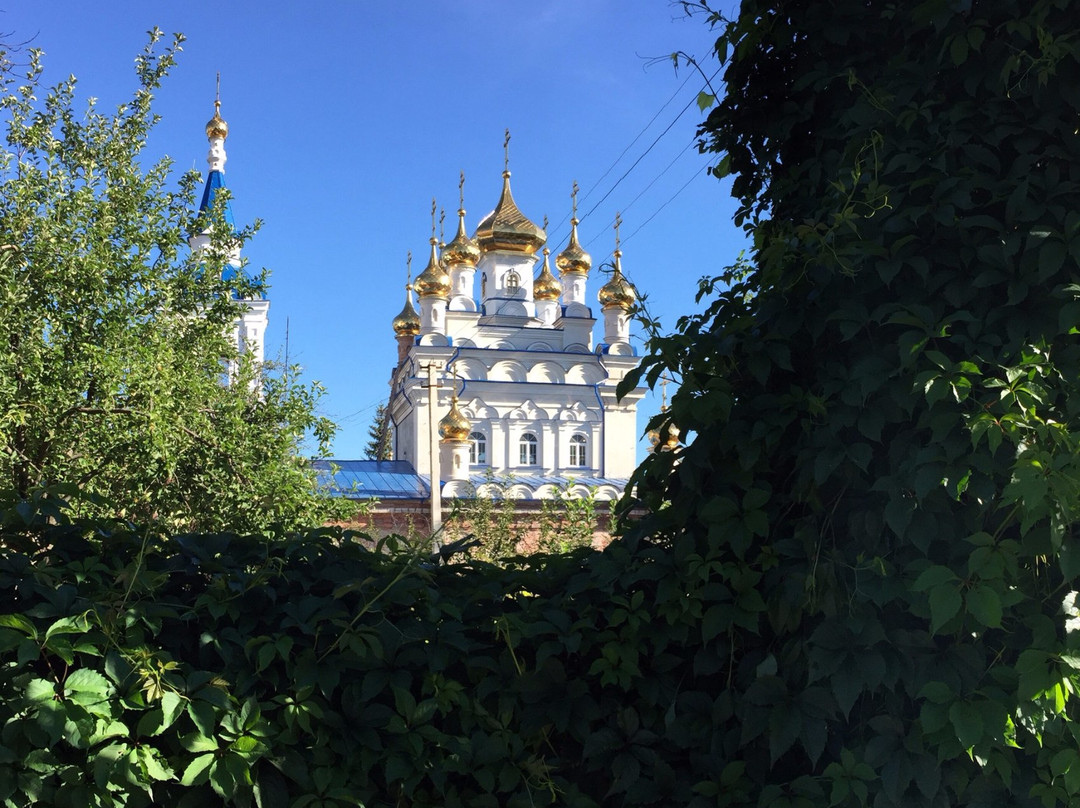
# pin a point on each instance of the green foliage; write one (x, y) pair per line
(285, 670)
(112, 335)
(882, 482)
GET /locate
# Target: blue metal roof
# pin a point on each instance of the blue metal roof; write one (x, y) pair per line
(361, 479)
(215, 181)
(396, 479)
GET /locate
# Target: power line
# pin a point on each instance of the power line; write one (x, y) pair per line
(643, 154)
(689, 104)
(632, 142)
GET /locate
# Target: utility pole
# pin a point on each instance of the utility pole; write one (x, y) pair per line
(432, 368)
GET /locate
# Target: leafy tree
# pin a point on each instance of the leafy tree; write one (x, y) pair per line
(884, 477)
(379, 445)
(113, 336)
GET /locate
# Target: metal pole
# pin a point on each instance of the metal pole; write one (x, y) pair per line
(433, 434)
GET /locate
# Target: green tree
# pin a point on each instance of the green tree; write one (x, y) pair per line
(380, 445)
(113, 336)
(882, 483)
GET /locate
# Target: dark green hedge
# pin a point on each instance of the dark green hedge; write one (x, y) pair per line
(309, 671)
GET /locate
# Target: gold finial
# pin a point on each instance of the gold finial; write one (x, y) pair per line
(545, 285)
(216, 127)
(433, 281)
(573, 260)
(407, 322)
(462, 250)
(506, 153)
(454, 426)
(617, 292)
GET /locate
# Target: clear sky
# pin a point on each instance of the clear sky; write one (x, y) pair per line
(346, 118)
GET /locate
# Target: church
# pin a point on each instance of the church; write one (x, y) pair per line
(499, 387)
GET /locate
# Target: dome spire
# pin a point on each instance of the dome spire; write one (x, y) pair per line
(407, 323)
(573, 260)
(462, 250)
(433, 281)
(617, 292)
(216, 132)
(506, 227)
(546, 286)
(454, 427)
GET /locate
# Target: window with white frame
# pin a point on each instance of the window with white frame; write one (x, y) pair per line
(578, 445)
(513, 281)
(527, 450)
(477, 449)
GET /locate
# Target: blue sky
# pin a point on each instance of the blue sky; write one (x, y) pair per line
(346, 118)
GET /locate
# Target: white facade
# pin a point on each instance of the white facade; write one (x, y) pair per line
(539, 396)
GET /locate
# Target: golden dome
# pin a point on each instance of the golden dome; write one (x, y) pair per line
(618, 292)
(546, 286)
(433, 281)
(216, 126)
(454, 426)
(672, 442)
(407, 323)
(507, 228)
(573, 260)
(462, 250)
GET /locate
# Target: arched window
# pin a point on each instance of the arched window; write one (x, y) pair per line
(577, 450)
(477, 449)
(513, 281)
(527, 450)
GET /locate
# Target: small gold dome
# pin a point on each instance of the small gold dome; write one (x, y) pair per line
(573, 260)
(672, 442)
(454, 426)
(407, 323)
(618, 292)
(216, 126)
(507, 228)
(434, 280)
(462, 250)
(546, 286)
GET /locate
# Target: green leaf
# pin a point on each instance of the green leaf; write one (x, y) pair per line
(945, 603)
(196, 771)
(984, 604)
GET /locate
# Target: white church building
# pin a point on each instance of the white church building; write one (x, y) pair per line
(498, 377)
(526, 401)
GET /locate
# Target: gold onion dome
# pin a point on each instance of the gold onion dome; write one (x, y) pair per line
(462, 250)
(216, 126)
(617, 292)
(407, 323)
(546, 286)
(672, 442)
(507, 228)
(434, 280)
(454, 426)
(573, 260)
